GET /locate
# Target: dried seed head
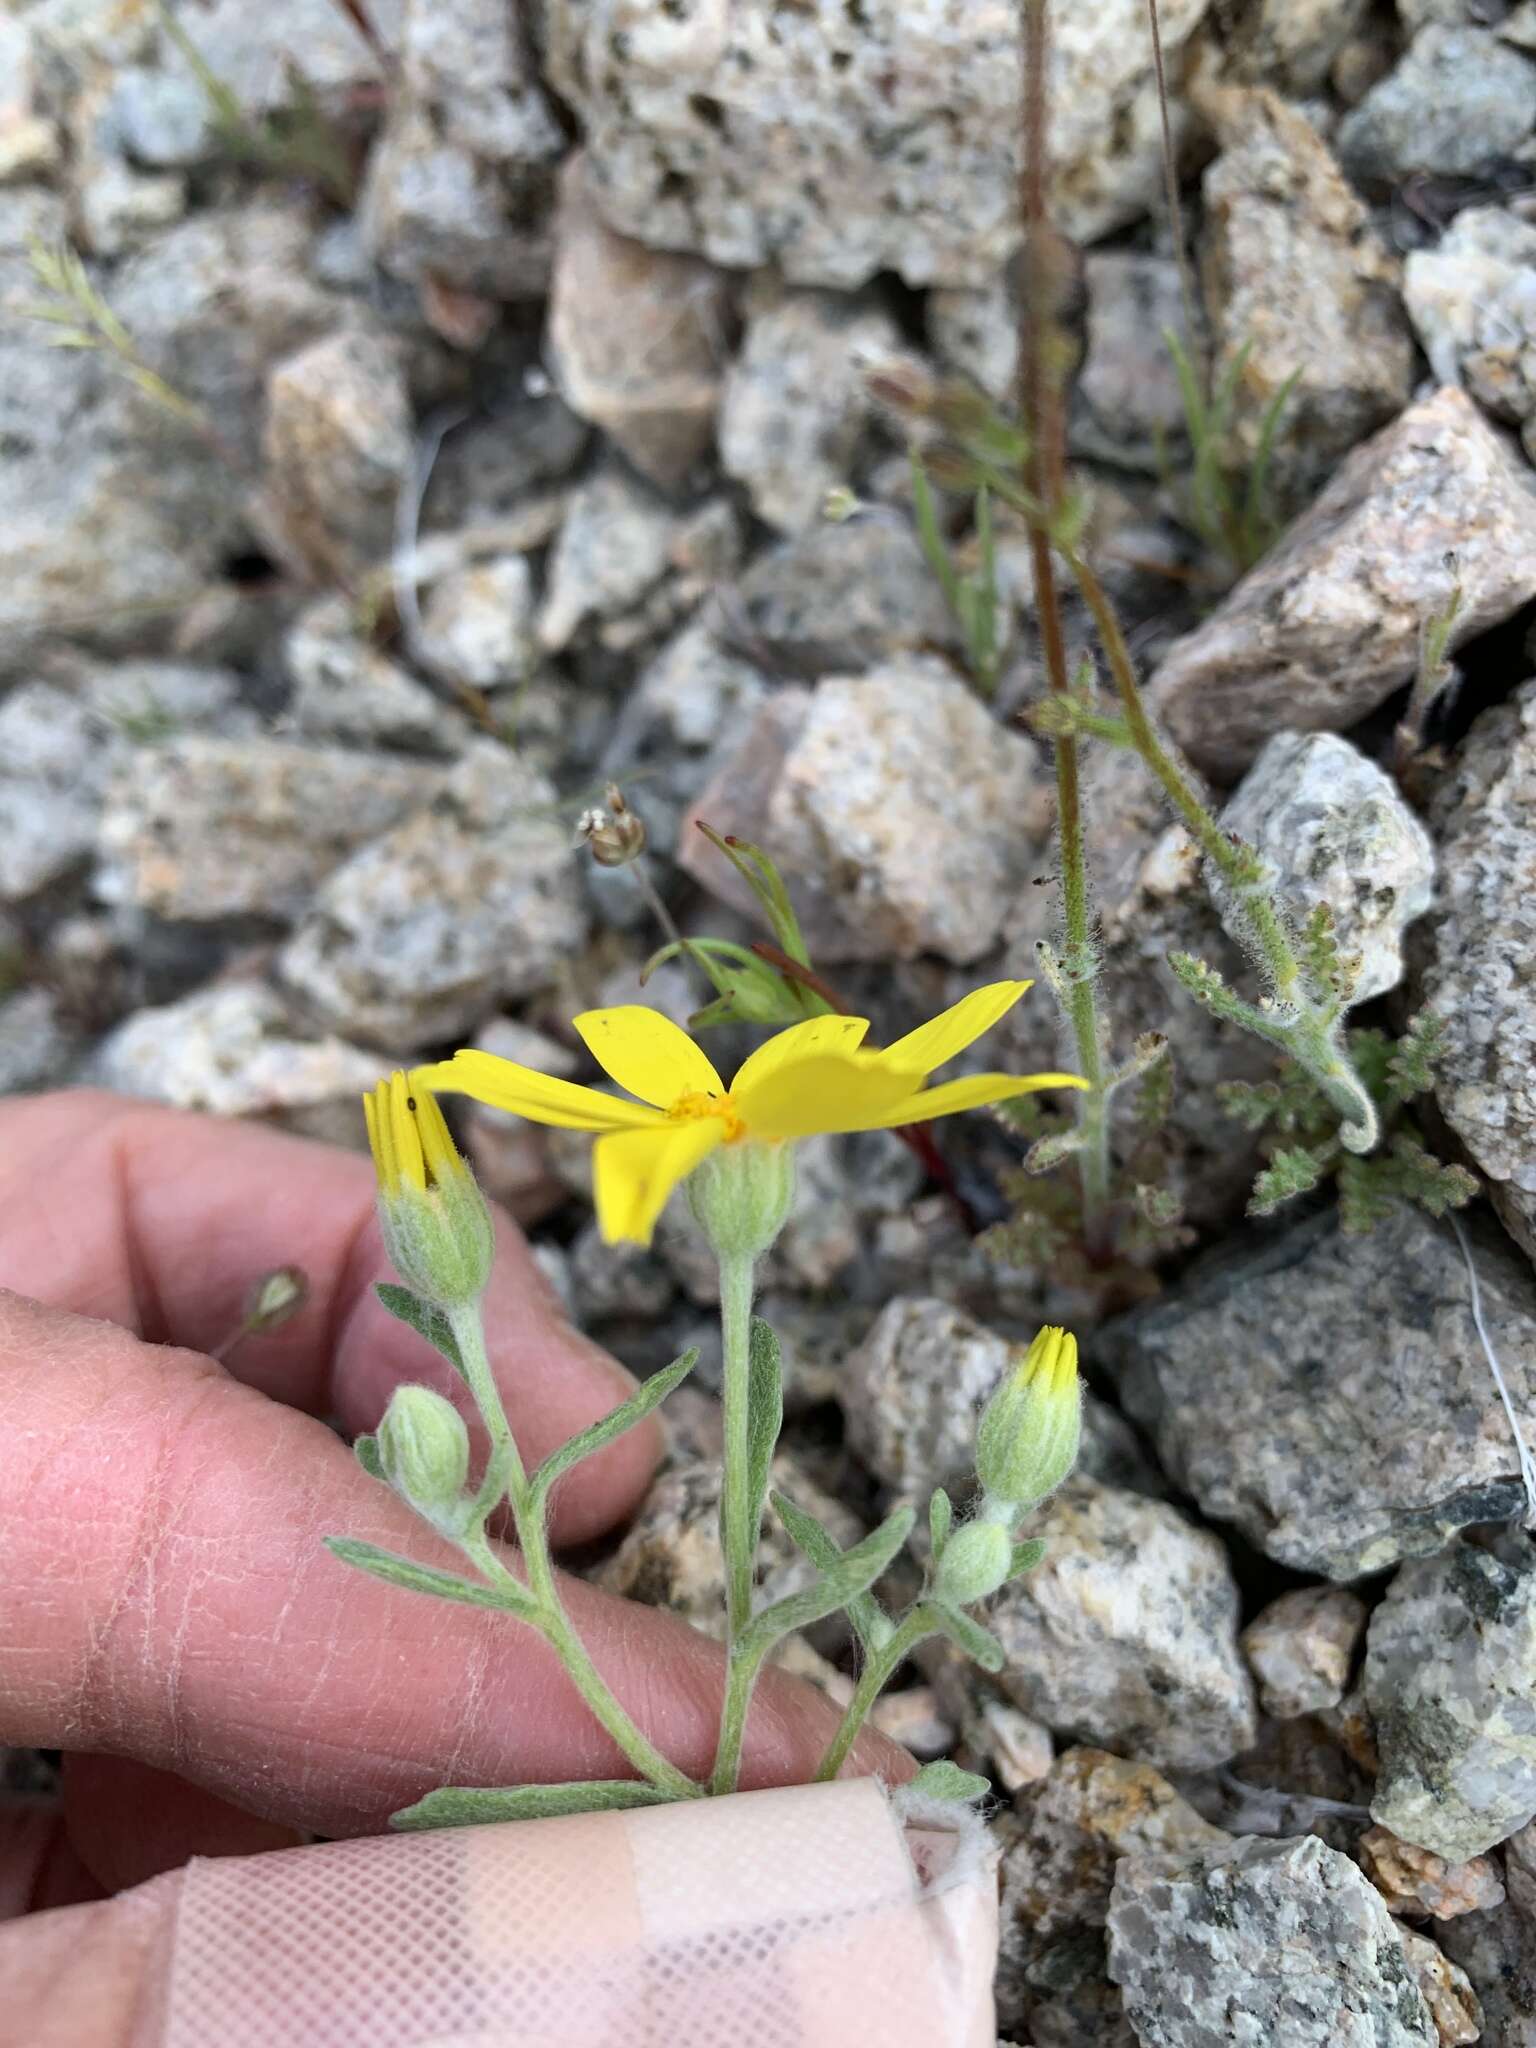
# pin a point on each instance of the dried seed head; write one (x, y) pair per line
(614, 834)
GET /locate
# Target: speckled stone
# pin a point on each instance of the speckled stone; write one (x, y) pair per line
(1476, 941)
(1065, 1835)
(1327, 626)
(835, 142)
(1303, 289)
(1458, 99)
(1328, 1395)
(1194, 1940)
(234, 1050)
(1420, 1885)
(1126, 1633)
(796, 403)
(900, 813)
(470, 901)
(1301, 1648)
(637, 338)
(1450, 1675)
(205, 828)
(670, 1555)
(1335, 830)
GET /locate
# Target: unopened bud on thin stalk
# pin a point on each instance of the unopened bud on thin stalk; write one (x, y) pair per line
(975, 1563)
(615, 835)
(423, 1451)
(1027, 1441)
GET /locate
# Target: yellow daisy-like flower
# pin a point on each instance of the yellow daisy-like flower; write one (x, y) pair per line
(812, 1078)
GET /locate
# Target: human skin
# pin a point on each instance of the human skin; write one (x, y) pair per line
(169, 1618)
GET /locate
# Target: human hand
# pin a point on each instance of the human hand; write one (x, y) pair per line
(169, 1617)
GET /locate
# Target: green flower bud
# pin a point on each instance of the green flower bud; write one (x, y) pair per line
(423, 1452)
(741, 1196)
(1027, 1441)
(435, 1222)
(975, 1563)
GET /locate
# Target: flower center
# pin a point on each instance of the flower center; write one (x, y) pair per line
(697, 1103)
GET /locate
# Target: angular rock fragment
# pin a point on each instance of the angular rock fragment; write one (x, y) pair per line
(1475, 952)
(796, 402)
(1194, 1940)
(209, 828)
(1302, 1649)
(1450, 1675)
(233, 1050)
(1335, 830)
(1126, 1633)
(1459, 100)
(461, 182)
(470, 901)
(837, 141)
(1329, 1395)
(1327, 626)
(637, 337)
(1302, 288)
(899, 811)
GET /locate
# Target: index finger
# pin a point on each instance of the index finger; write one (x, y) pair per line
(161, 1220)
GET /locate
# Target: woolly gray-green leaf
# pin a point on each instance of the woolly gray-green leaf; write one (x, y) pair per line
(765, 1410)
(871, 1624)
(469, 1806)
(424, 1318)
(978, 1643)
(424, 1578)
(854, 1573)
(601, 1434)
(946, 1780)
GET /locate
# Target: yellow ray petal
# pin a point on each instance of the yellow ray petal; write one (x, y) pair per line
(405, 1139)
(633, 1172)
(646, 1053)
(503, 1084)
(815, 1035)
(931, 1044)
(825, 1092)
(969, 1092)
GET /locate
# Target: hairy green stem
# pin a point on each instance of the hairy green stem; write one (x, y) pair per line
(553, 1622)
(1310, 1037)
(739, 1513)
(1042, 352)
(878, 1670)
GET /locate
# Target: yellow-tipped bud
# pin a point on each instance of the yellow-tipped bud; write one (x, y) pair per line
(437, 1228)
(423, 1450)
(1027, 1441)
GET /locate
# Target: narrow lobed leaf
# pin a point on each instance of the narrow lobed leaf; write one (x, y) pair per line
(871, 1624)
(640, 1404)
(470, 1806)
(854, 1573)
(424, 1317)
(425, 1578)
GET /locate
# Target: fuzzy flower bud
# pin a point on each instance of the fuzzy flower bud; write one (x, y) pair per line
(1027, 1440)
(741, 1197)
(975, 1563)
(423, 1451)
(436, 1226)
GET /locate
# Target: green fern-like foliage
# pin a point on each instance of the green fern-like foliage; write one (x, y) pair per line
(1299, 1129)
(1045, 1232)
